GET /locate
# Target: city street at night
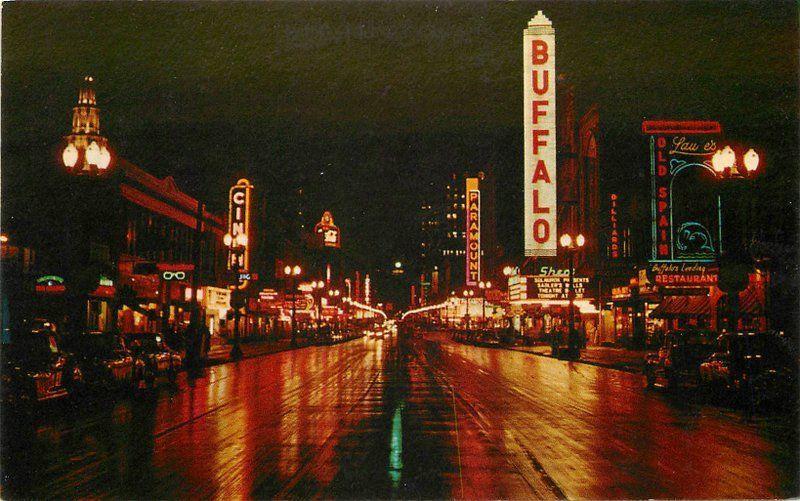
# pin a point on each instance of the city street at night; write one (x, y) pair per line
(398, 418)
(400, 250)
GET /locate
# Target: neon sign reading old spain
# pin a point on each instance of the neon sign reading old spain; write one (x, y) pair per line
(687, 239)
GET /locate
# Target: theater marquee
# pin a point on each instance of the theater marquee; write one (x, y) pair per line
(539, 88)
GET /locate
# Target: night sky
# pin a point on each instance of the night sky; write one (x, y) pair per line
(365, 104)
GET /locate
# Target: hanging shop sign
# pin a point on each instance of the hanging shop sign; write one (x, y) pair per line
(105, 288)
(216, 298)
(685, 221)
(175, 272)
(473, 251)
(239, 228)
(301, 302)
(684, 274)
(327, 232)
(539, 91)
(517, 288)
(50, 284)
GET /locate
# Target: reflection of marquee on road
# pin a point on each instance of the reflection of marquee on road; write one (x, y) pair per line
(682, 151)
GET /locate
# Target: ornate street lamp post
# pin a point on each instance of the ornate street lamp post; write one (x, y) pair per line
(316, 293)
(237, 246)
(730, 171)
(572, 245)
(291, 273)
(86, 151)
(484, 286)
(468, 293)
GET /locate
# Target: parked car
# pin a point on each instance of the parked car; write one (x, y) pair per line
(758, 362)
(103, 362)
(677, 361)
(33, 367)
(154, 359)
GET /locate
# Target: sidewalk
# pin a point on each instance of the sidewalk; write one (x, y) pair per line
(603, 356)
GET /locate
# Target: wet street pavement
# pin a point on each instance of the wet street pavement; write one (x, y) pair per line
(427, 418)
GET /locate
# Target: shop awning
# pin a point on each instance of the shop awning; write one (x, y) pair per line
(750, 303)
(683, 306)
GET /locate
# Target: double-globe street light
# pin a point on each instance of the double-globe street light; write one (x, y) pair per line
(468, 293)
(484, 287)
(731, 171)
(333, 295)
(572, 245)
(316, 293)
(237, 245)
(291, 273)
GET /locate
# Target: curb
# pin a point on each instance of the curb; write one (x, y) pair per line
(605, 365)
(629, 370)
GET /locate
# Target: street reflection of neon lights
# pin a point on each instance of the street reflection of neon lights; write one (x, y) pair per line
(583, 305)
(367, 308)
(425, 308)
(396, 446)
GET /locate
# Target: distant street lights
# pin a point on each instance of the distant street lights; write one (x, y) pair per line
(333, 294)
(572, 245)
(468, 293)
(316, 292)
(484, 286)
(291, 273)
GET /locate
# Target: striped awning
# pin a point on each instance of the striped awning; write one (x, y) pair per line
(683, 307)
(750, 302)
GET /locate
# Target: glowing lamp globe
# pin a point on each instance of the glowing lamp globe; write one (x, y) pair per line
(286, 270)
(104, 158)
(296, 270)
(93, 154)
(565, 240)
(70, 155)
(751, 160)
(580, 240)
(717, 161)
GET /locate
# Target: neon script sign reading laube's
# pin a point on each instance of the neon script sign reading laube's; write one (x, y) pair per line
(540, 136)
(473, 232)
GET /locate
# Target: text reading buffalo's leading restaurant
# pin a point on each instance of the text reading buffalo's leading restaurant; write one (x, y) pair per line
(539, 84)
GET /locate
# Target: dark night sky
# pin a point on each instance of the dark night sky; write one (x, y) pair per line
(381, 97)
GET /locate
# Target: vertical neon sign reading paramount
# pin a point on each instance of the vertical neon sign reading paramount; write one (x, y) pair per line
(539, 63)
(473, 208)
